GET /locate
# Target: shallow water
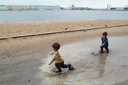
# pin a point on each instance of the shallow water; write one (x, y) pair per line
(91, 67)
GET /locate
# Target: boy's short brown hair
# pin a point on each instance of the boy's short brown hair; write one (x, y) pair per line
(105, 33)
(56, 45)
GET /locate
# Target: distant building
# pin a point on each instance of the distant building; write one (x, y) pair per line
(33, 7)
(113, 8)
(119, 8)
(126, 7)
(51, 7)
(28, 7)
(44, 7)
(108, 6)
(20, 7)
(68, 8)
(3, 8)
(72, 5)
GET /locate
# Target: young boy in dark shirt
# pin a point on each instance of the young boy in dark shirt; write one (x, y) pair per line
(104, 40)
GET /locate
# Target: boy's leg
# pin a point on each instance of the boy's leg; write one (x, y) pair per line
(106, 48)
(101, 49)
(58, 67)
(64, 65)
(67, 65)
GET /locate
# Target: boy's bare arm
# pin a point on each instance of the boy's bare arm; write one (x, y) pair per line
(52, 52)
(52, 61)
(103, 44)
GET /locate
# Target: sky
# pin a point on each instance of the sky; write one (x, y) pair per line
(66, 3)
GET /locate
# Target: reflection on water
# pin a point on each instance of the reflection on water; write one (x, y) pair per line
(102, 61)
(91, 67)
(102, 64)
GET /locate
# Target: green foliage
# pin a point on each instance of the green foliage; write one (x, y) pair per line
(113, 8)
(126, 8)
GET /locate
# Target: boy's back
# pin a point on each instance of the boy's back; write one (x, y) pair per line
(58, 58)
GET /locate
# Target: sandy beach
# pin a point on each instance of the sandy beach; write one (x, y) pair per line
(21, 57)
(8, 29)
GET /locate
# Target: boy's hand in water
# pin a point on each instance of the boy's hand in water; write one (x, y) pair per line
(49, 64)
(102, 44)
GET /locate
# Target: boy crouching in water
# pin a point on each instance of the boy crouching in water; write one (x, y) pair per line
(104, 40)
(59, 62)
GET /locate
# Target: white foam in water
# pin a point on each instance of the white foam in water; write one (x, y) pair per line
(91, 68)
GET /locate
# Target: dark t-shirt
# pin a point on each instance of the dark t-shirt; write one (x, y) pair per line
(105, 41)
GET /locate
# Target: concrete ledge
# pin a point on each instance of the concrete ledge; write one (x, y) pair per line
(3, 38)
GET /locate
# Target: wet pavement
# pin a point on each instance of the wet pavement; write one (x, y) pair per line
(91, 67)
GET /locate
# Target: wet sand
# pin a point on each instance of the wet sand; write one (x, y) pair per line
(21, 59)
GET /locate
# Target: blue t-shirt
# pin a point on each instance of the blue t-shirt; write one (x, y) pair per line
(105, 41)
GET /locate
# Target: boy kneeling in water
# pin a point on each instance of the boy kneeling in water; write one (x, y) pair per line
(104, 40)
(59, 62)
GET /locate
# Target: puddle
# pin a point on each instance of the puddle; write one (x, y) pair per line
(91, 67)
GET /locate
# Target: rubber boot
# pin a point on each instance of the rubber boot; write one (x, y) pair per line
(101, 50)
(108, 50)
(70, 67)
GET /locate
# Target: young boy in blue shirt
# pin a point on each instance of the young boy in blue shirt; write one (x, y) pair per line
(59, 61)
(104, 40)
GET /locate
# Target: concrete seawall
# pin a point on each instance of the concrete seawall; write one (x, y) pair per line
(20, 36)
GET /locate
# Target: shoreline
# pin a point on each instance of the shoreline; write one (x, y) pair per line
(64, 20)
